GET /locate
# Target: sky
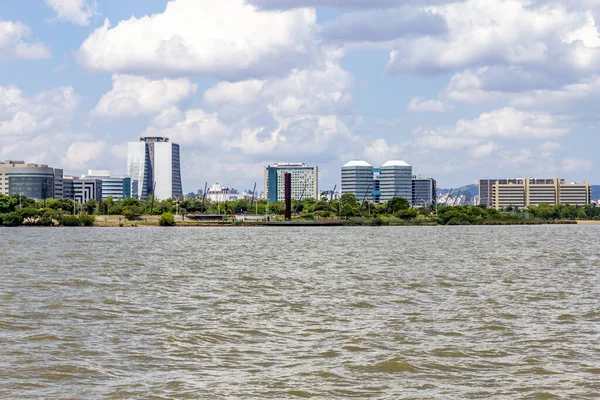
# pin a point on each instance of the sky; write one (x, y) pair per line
(460, 89)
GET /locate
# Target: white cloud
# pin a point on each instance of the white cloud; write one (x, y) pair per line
(134, 96)
(500, 32)
(484, 150)
(13, 44)
(419, 104)
(547, 149)
(574, 164)
(433, 140)
(196, 128)
(78, 12)
(78, 154)
(511, 123)
(379, 151)
(382, 25)
(225, 38)
(20, 115)
(523, 156)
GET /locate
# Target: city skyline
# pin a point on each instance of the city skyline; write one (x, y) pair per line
(347, 80)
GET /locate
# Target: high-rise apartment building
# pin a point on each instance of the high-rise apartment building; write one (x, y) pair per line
(358, 179)
(305, 181)
(117, 187)
(423, 191)
(395, 180)
(525, 192)
(154, 166)
(36, 181)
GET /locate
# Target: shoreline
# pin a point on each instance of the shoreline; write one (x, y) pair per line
(303, 224)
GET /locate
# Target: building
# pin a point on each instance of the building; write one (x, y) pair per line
(525, 192)
(395, 180)
(219, 194)
(36, 181)
(117, 187)
(82, 189)
(423, 191)
(357, 179)
(154, 166)
(305, 181)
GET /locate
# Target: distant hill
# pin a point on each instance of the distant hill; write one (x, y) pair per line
(473, 190)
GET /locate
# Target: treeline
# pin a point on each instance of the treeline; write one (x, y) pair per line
(19, 210)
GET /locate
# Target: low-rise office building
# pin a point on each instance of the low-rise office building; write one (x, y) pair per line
(423, 191)
(36, 181)
(525, 192)
(117, 187)
(82, 189)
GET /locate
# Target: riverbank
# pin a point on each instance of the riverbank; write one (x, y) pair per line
(150, 221)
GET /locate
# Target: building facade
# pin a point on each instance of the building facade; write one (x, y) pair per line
(525, 192)
(305, 181)
(395, 180)
(36, 181)
(82, 189)
(154, 166)
(117, 187)
(358, 179)
(219, 194)
(423, 191)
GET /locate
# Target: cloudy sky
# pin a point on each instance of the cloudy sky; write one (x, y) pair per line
(459, 89)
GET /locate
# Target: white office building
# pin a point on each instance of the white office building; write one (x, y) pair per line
(358, 179)
(117, 187)
(304, 181)
(395, 180)
(154, 166)
(219, 194)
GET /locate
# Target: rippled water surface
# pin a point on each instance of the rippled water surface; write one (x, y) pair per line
(274, 313)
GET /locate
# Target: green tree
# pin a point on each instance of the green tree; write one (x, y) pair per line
(348, 211)
(30, 215)
(131, 212)
(12, 219)
(397, 204)
(8, 204)
(60, 204)
(87, 220)
(167, 219)
(407, 214)
(90, 206)
(349, 198)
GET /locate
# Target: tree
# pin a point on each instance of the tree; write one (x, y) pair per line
(348, 211)
(167, 219)
(8, 204)
(90, 206)
(349, 198)
(12, 219)
(397, 204)
(30, 214)
(61, 204)
(131, 212)
(407, 214)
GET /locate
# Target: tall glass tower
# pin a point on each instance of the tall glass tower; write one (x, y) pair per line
(154, 164)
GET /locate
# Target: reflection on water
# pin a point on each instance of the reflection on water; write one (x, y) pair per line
(389, 312)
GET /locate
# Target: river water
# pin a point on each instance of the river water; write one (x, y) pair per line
(275, 313)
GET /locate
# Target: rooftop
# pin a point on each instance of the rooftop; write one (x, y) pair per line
(357, 163)
(396, 163)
